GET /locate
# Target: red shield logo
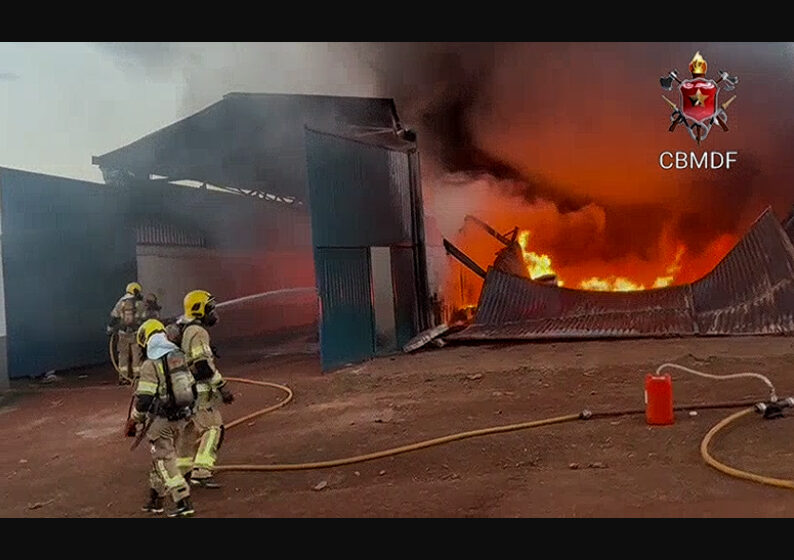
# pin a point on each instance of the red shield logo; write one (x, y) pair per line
(699, 99)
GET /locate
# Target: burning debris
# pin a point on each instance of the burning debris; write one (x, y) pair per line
(518, 258)
(751, 291)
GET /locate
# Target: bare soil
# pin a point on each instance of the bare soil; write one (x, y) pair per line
(62, 453)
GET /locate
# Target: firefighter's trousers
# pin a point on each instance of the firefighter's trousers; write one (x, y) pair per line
(206, 424)
(129, 357)
(165, 437)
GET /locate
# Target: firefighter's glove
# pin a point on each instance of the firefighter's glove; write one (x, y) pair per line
(226, 395)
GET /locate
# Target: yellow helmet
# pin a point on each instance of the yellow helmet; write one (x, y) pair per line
(147, 329)
(198, 303)
(133, 288)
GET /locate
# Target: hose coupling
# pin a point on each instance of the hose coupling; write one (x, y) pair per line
(585, 414)
(774, 409)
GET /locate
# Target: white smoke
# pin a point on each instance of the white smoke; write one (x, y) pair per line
(211, 70)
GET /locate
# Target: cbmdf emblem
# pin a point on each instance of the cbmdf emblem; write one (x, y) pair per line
(698, 107)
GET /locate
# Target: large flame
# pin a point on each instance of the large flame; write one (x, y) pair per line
(539, 265)
(582, 249)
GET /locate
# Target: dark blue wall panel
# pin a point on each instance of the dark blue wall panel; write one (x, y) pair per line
(360, 195)
(346, 316)
(68, 253)
(364, 194)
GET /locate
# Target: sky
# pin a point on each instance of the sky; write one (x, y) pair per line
(61, 104)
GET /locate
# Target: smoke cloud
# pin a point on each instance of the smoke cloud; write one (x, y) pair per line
(561, 139)
(211, 70)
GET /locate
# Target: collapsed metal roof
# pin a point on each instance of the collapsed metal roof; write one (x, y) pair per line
(246, 141)
(750, 292)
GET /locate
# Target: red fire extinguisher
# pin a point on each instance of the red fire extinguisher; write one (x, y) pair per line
(659, 399)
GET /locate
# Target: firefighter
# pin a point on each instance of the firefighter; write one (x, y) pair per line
(125, 318)
(207, 424)
(165, 398)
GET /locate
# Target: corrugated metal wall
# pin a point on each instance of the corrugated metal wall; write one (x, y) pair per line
(512, 307)
(346, 314)
(220, 220)
(169, 235)
(67, 255)
(4, 381)
(192, 238)
(172, 271)
(366, 196)
(360, 194)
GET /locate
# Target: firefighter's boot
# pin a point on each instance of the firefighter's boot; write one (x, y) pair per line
(184, 508)
(155, 503)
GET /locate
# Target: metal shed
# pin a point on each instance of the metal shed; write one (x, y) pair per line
(249, 144)
(368, 238)
(69, 247)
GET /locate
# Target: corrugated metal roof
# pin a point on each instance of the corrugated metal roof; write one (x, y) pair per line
(247, 140)
(751, 291)
(516, 308)
(168, 234)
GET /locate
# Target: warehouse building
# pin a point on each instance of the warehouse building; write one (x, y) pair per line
(222, 200)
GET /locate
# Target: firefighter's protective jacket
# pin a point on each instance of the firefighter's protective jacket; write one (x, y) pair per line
(127, 314)
(153, 393)
(201, 360)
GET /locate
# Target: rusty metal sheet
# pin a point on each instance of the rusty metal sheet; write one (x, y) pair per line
(516, 308)
(609, 325)
(510, 260)
(751, 291)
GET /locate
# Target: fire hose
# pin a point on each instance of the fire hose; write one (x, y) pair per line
(584, 415)
(748, 408)
(732, 471)
(774, 404)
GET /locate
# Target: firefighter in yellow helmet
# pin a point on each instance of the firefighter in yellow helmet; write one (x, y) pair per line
(125, 318)
(165, 398)
(207, 424)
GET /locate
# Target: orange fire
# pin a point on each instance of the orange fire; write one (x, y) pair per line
(540, 265)
(537, 265)
(584, 249)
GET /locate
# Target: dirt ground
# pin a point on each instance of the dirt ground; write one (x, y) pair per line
(62, 453)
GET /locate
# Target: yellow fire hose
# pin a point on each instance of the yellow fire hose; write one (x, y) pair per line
(261, 411)
(722, 467)
(398, 450)
(704, 445)
(112, 341)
